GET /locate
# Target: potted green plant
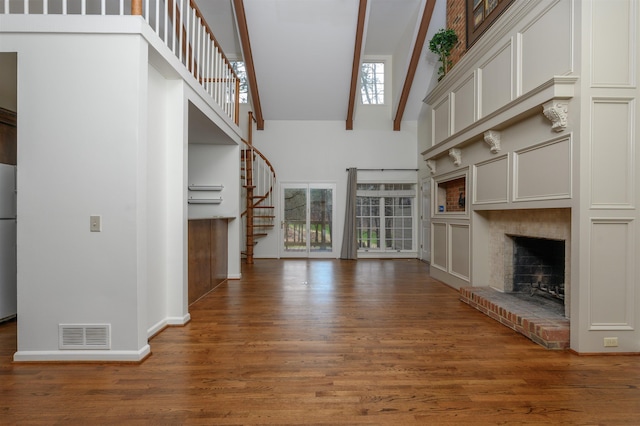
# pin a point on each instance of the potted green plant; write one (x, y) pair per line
(441, 44)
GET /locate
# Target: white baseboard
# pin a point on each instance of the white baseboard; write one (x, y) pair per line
(179, 320)
(160, 325)
(83, 355)
(234, 276)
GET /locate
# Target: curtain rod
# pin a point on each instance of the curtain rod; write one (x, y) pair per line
(386, 170)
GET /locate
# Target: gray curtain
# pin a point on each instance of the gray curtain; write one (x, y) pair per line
(349, 239)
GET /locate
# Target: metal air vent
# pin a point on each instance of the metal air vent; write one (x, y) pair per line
(84, 336)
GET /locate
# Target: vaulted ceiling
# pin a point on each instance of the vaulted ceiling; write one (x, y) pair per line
(303, 50)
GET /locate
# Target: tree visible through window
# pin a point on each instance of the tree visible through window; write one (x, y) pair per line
(238, 67)
(372, 79)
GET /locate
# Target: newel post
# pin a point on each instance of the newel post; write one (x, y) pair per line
(136, 7)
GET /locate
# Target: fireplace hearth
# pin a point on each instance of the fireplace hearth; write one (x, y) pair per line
(542, 325)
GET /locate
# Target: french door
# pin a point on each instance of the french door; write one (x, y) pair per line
(307, 220)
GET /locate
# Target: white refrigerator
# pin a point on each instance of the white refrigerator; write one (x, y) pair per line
(8, 273)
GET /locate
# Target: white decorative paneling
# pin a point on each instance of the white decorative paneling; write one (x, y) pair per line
(491, 181)
(495, 78)
(441, 122)
(546, 45)
(463, 99)
(558, 87)
(459, 251)
(611, 281)
(543, 172)
(439, 248)
(613, 41)
(612, 161)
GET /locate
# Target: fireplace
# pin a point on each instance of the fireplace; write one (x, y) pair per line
(542, 226)
(538, 267)
(538, 271)
(528, 260)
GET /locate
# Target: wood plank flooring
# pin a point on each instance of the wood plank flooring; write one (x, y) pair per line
(328, 342)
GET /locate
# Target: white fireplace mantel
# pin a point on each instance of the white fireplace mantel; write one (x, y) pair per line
(558, 88)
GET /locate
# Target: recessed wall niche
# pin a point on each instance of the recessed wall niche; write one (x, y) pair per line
(452, 195)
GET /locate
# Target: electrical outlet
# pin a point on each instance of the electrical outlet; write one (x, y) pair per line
(610, 342)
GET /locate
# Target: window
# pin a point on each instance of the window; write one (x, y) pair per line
(238, 67)
(385, 216)
(481, 14)
(372, 79)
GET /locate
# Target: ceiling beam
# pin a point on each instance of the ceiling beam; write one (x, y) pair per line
(413, 64)
(243, 31)
(355, 69)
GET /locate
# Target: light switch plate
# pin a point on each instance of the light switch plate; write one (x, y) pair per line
(95, 223)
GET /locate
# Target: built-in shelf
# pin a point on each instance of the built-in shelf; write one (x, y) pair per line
(451, 195)
(206, 187)
(217, 200)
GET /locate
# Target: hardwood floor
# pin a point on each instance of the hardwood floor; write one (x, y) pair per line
(328, 342)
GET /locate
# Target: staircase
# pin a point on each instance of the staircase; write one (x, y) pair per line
(258, 182)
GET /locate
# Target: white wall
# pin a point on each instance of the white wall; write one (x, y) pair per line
(607, 302)
(104, 130)
(79, 150)
(166, 213)
(177, 227)
(157, 213)
(320, 152)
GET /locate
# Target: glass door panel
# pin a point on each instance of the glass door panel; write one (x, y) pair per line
(295, 220)
(307, 220)
(321, 217)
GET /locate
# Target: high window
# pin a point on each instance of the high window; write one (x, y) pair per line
(385, 217)
(481, 14)
(238, 67)
(372, 79)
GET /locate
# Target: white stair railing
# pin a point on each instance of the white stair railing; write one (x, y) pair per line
(178, 23)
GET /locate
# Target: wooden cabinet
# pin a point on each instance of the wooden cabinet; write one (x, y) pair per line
(207, 255)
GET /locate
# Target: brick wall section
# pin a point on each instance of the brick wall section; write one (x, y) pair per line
(453, 189)
(457, 20)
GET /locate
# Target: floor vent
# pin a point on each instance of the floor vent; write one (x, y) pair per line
(84, 336)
